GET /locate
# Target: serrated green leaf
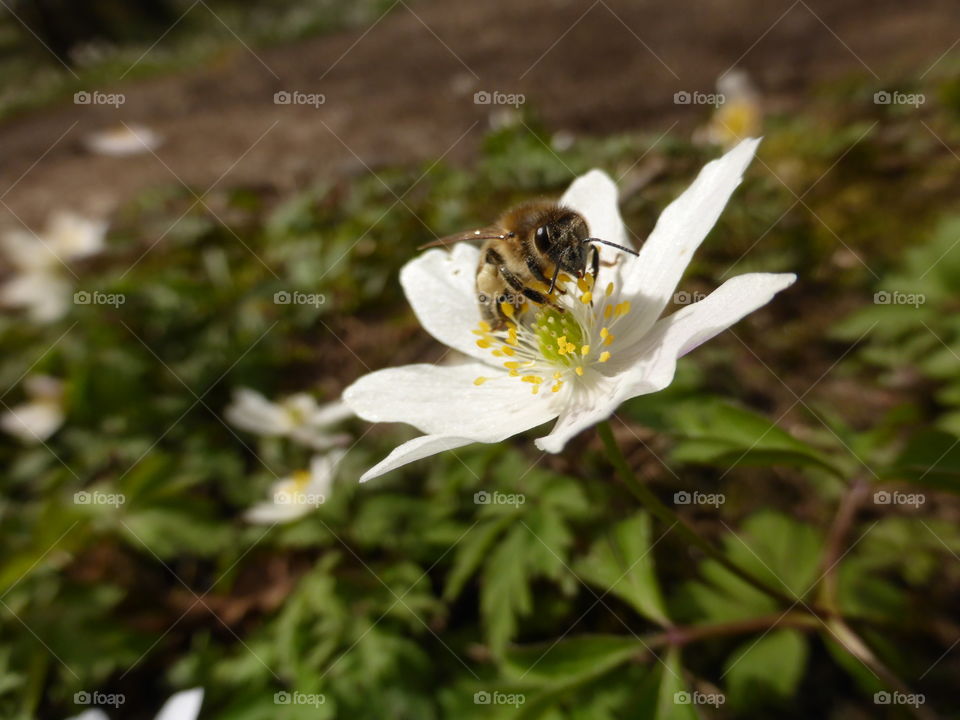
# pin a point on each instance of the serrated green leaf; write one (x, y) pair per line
(622, 563)
(766, 670)
(571, 660)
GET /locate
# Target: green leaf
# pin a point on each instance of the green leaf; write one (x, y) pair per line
(571, 661)
(622, 563)
(672, 692)
(766, 670)
(506, 590)
(931, 457)
(716, 433)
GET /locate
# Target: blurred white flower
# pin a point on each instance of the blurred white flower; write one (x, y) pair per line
(606, 346)
(40, 417)
(40, 283)
(294, 496)
(298, 417)
(184, 705)
(123, 140)
(739, 117)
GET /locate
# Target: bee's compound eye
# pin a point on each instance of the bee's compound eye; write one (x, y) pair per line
(542, 238)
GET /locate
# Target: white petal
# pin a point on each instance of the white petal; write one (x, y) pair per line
(441, 287)
(594, 195)
(252, 412)
(32, 422)
(322, 471)
(45, 294)
(93, 714)
(443, 400)
(586, 407)
(416, 449)
(73, 236)
(182, 706)
(651, 279)
(270, 513)
(679, 333)
(331, 413)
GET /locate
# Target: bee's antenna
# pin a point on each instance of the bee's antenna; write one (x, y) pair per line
(618, 247)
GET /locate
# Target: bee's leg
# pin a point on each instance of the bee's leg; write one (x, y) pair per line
(595, 262)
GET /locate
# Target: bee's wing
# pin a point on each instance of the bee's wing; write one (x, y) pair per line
(481, 235)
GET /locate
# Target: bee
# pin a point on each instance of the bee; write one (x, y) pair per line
(523, 254)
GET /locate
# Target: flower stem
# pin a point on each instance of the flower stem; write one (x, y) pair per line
(667, 516)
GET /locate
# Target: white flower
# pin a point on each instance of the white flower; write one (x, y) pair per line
(184, 705)
(40, 281)
(294, 496)
(297, 417)
(579, 365)
(37, 419)
(123, 140)
(739, 116)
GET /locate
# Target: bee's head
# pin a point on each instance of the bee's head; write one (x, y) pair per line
(562, 238)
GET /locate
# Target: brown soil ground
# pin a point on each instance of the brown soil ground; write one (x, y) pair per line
(402, 90)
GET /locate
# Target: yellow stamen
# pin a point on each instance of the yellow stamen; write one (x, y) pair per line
(586, 297)
(608, 312)
(535, 379)
(609, 338)
(609, 290)
(585, 350)
(507, 309)
(579, 370)
(556, 387)
(484, 326)
(480, 381)
(484, 344)
(604, 356)
(622, 308)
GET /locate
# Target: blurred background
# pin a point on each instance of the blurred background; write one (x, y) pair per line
(204, 207)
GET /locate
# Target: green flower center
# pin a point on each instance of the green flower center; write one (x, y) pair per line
(559, 336)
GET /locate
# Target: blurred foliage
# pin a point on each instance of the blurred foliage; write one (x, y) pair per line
(409, 597)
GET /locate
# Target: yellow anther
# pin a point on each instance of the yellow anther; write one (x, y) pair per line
(586, 297)
(579, 370)
(556, 387)
(604, 356)
(622, 308)
(582, 284)
(507, 309)
(608, 312)
(498, 353)
(484, 326)
(514, 373)
(484, 344)
(585, 350)
(535, 389)
(609, 290)
(512, 335)
(609, 338)
(509, 351)
(511, 365)
(557, 375)
(480, 380)
(603, 333)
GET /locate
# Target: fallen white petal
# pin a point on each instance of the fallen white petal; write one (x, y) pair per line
(184, 705)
